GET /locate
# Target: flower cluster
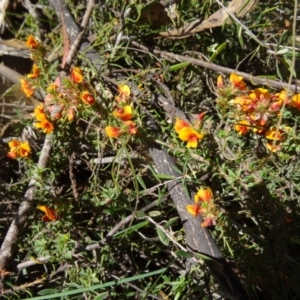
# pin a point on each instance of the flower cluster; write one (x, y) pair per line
(69, 97)
(124, 112)
(255, 111)
(189, 133)
(204, 206)
(37, 53)
(18, 149)
(63, 99)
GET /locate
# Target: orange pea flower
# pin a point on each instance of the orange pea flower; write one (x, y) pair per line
(18, 149)
(24, 149)
(179, 124)
(35, 72)
(14, 149)
(31, 42)
(124, 93)
(220, 82)
(124, 89)
(204, 194)
(26, 87)
(242, 127)
(273, 147)
(260, 94)
(237, 82)
(45, 125)
(87, 98)
(204, 206)
(278, 99)
(113, 132)
(274, 135)
(76, 75)
(132, 128)
(247, 104)
(296, 101)
(50, 214)
(194, 209)
(71, 114)
(188, 134)
(124, 113)
(39, 112)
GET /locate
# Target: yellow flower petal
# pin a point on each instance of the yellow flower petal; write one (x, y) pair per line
(39, 112)
(296, 101)
(194, 209)
(87, 98)
(237, 81)
(26, 87)
(179, 124)
(35, 72)
(76, 75)
(274, 135)
(124, 114)
(188, 134)
(45, 125)
(24, 149)
(242, 127)
(31, 42)
(204, 194)
(13, 143)
(259, 94)
(113, 132)
(192, 142)
(124, 89)
(50, 214)
(220, 82)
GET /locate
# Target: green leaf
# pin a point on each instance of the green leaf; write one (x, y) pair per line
(160, 196)
(141, 181)
(154, 213)
(178, 66)
(184, 254)
(282, 51)
(101, 296)
(204, 257)
(132, 228)
(100, 286)
(240, 36)
(171, 222)
(273, 77)
(218, 51)
(47, 292)
(164, 176)
(140, 215)
(162, 236)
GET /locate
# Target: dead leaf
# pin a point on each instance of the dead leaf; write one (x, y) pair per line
(154, 14)
(14, 43)
(219, 18)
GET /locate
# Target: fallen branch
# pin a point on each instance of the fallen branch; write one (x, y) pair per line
(220, 69)
(19, 223)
